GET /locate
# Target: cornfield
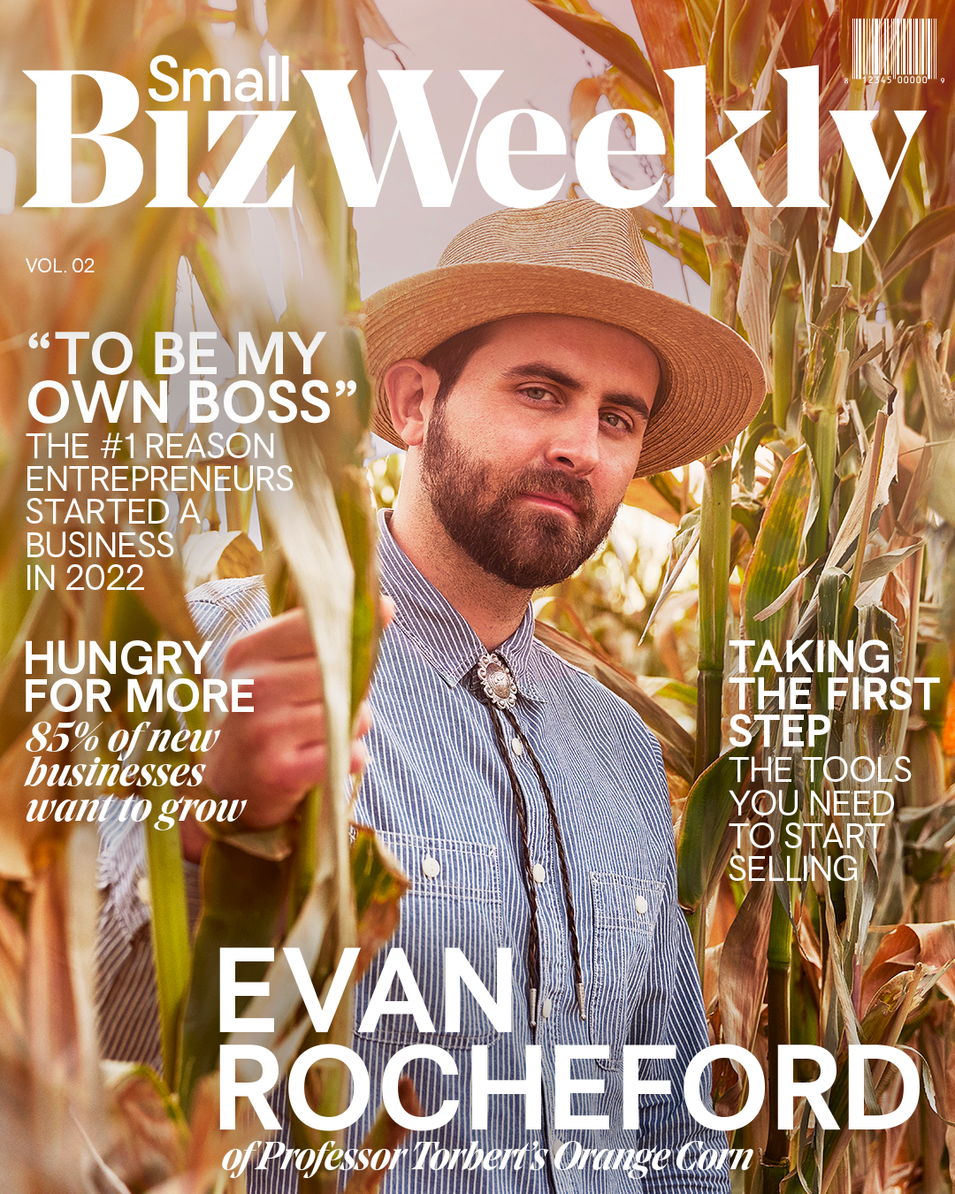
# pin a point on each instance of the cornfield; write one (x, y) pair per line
(819, 919)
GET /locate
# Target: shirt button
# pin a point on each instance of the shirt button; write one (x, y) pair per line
(539, 873)
(430, 868)
(641, 904)
(517, 746)
(142, 890)
(545, 1009)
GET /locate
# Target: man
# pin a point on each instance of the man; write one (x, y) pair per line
(530, 376)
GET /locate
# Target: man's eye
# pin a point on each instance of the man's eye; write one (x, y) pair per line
(536, 393)
(616, 420)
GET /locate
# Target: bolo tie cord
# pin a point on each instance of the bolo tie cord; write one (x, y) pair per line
(530, 885)
(564, 869)
(480, 688)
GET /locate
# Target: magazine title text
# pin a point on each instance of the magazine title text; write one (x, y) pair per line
(435, 178)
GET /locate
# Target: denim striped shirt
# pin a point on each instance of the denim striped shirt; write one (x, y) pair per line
(439, 796)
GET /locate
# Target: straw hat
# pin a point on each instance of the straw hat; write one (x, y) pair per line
(574, 257)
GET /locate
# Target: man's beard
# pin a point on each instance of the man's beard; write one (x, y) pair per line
(526, 547)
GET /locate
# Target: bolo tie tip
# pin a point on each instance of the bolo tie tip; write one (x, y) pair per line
(581, 1006)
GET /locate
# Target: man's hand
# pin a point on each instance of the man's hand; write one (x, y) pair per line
(273, 755)
(270, 757)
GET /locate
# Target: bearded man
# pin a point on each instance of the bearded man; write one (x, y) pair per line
(530, 376)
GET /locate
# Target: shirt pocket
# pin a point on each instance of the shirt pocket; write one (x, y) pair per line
(625, 911)
(455, 900)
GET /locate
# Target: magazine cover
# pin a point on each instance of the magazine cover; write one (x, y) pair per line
(477, 609)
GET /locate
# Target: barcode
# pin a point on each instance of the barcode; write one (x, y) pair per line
(895, 47)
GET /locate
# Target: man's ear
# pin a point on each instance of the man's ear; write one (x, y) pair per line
(411, 387)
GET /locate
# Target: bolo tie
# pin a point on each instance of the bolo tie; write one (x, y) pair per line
(492, 683)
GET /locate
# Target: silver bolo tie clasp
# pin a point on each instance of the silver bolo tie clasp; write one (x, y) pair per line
(497, 681)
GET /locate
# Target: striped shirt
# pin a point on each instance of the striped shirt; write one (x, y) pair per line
(439, 796)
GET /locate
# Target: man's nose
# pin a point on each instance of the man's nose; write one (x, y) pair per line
(574, 446)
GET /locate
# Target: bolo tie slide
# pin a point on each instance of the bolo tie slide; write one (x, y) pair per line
(493, 684)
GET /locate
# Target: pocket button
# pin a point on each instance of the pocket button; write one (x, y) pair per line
(431, 868)
(641, 904)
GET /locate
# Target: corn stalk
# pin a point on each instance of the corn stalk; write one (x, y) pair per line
(826, 551)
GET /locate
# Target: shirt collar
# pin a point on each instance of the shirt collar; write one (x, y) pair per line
(439, 632)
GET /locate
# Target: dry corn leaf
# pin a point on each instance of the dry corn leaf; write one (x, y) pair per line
(931, 945)
(149, 1137)
(743, 965)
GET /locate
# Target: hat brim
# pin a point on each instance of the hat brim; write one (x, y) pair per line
(713, 382)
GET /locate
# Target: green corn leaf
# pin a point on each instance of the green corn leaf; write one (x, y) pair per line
(242, 896)
(775, 558)
(709, 809)
(170, 929)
